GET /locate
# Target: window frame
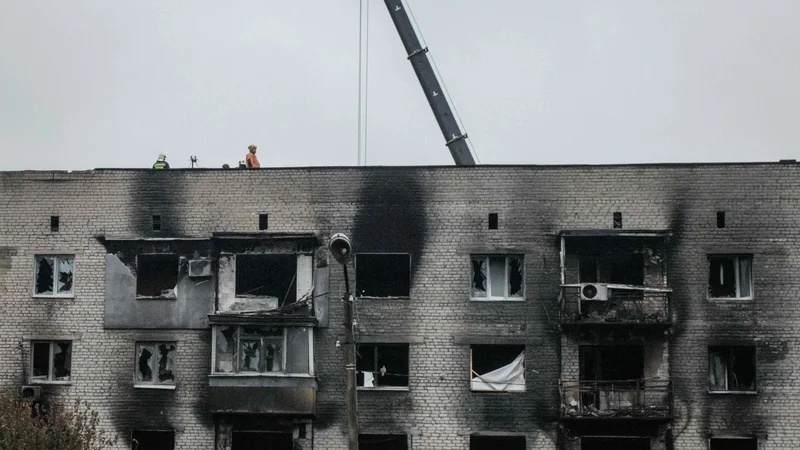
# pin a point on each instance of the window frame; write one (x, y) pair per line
(488, 297)
(55, 256)
(736, 258)
(729, 349)
(154, 383)
(237, 372)
(376, 345)
(355, 272)
(50, 363)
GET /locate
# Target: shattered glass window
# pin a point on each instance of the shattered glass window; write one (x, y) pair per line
(730, 276)
(225, 349)
(251, 355)
(41, 361)
(155, 362)
(51, 361)
(54, 275)
(497, 277)
(249, 349)
(166, 363)
(732, 369)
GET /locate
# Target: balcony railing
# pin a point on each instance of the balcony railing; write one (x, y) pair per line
(624, 304)
(615, 399)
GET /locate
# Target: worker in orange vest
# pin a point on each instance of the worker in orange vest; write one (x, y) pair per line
(252, 161)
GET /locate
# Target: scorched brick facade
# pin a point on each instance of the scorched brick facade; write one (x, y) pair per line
(141, 301)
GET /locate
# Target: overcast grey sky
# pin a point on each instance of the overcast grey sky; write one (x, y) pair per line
(98, 83)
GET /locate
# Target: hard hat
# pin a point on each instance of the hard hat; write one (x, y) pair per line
(251, 146)
(162, 156)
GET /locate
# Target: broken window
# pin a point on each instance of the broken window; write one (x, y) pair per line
(381, 365)
(267, 275)
(611, 362)
(256, 439)
(54, 275)
(732, 369)
(155, 363)
(615, 443)
(157, 275)
(734, 443)
(51, 360)
(497, 368)
(382, 442)
(730, 276)
(383, 274)
(497, 277)
(478, 442)
(152, 440)
(249, 349)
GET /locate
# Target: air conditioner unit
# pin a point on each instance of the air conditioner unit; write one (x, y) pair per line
(594, 291)
(199, 268)
(31, 393)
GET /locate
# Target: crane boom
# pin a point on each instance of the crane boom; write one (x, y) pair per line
(418, 56)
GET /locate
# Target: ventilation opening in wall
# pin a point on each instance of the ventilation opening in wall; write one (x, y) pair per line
(263, 222)
(156, 222)
(617, 220)
(720, 219)
(493, 221)
(54, 224)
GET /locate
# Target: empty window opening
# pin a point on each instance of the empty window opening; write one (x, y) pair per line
(619, 443)
(732, 369)
(54, 275)
(54, 224)
(493, 221)
(263, 221)
(51, 361)
(383, 275)
(267, 275)
(249, 349)
(249, 440)
(497, 368)
(730, 276)
(382, 442)
(155, 363)
(611, 362)
(734, 443)
(156, 222)
(477, 442)
(720, 219)
(497, 277)
(617, 220)
(382, 365)
(152, 440)
(157, 275)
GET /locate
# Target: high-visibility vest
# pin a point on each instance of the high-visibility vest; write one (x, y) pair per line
(160, 165)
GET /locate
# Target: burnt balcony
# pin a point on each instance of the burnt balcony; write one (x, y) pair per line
(621, 399)
(614, 304)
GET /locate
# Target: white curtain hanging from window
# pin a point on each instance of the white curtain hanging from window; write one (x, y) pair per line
(510, 377)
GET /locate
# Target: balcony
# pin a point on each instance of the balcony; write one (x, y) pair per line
(623, 304)
(619, 399)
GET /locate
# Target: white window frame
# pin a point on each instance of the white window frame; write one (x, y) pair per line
(55, 256)
(154, 383)
(237, 373)
(728, 350)
(51, 363)
(505, 296)
(736, 259)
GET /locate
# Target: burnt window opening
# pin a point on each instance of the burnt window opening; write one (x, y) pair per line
(497, 277)
(616, 268)
(617, 220)
(263, 222)
(51, 360)
(732, 369)
(611, 362)
(478, 442)
(54, 224)
(157, 275)
(155, 363)
(152, 440)
(619, 443)
(54, 275)
(383, 274)
(382, 442)
(730, 276)
(734, 443)
(261, 439)
(497, 368)
(720, 219)
(249, 349)
(156, 222)
(493, 221)
(267, 275)
(382, 365)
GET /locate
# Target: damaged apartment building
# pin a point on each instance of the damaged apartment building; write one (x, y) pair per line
(631, 307)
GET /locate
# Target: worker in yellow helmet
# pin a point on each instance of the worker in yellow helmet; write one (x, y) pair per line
(161, 162)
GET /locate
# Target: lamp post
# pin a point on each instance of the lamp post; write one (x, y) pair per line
(342, 251)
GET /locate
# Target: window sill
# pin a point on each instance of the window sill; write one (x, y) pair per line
(369, 297)
(54, 297)
(730, 299)
(497, 299)
(733, 392)
(490, 391)
(141, 297)
(53, 383)
(166, 387)
(384, 388)
(263, 375)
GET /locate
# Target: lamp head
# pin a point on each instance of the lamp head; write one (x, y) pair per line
(341, 248)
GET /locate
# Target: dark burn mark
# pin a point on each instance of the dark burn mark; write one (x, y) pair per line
(158, 193)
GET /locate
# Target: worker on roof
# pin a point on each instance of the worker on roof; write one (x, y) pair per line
(161, 162)
(252, 161)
